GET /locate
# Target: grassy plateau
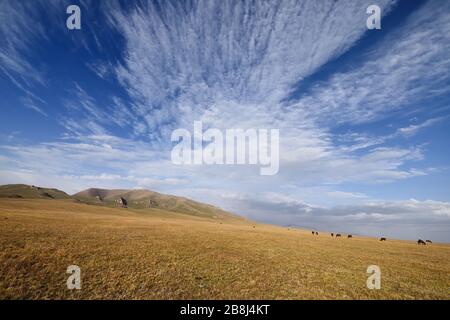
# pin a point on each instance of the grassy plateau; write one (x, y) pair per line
(151, 253)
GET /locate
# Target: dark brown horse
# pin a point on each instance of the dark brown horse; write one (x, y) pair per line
(382, 239)
(420, 241)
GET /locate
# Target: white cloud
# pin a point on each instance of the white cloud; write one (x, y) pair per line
(23, 33)
(346, 195)
(415, 128)
(405, 68)
(18, 31)
(186, 62)
(30, 103)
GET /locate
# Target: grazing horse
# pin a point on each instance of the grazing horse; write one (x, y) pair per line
(332, 234)
(382, 239)
(338, 235)
(429, 241)
(420, 241)
(349, 236)
(123, 202)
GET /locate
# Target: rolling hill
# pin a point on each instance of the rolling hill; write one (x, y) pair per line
(133, 199)
(141, 199)
(23, 191)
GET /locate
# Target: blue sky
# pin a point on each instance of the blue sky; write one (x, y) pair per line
(363, 114)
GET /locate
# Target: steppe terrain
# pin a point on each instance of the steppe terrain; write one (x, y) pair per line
(153, 253)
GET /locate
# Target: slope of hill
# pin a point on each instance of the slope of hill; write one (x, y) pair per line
(141, 199)
(134, 199)
(31, 192)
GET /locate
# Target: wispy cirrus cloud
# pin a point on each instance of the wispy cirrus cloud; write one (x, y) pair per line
(23, 32)
(194, 60)
(409, 66)
(415, 128)
(19, 31)
(31, 103)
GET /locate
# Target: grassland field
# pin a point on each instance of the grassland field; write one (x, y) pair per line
(128, 253)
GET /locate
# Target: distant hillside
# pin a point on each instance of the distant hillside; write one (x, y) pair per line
(135, 199)
(140, 199)
(31, 192)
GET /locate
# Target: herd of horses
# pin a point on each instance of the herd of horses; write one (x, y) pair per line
(338, 235)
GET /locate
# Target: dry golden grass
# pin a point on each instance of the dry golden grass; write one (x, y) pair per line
(151, 254)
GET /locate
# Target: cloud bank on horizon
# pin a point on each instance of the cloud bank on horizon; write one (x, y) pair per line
(363, 114)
